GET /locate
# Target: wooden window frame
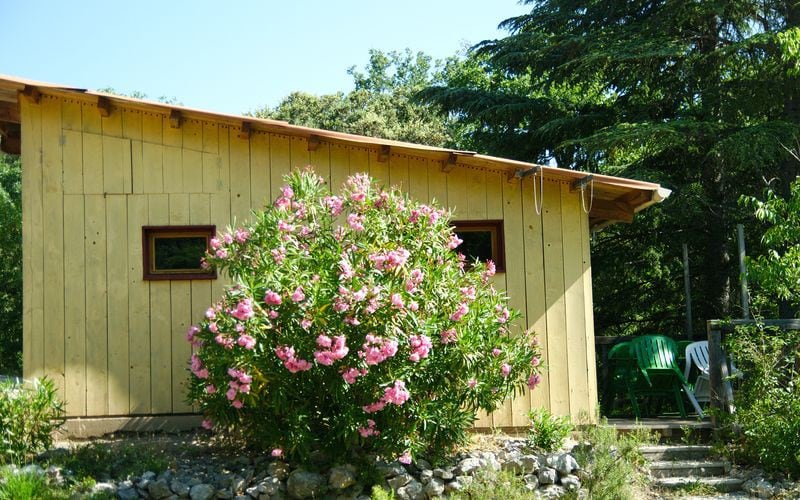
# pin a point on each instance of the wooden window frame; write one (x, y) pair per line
(495, 227)
(150, 233)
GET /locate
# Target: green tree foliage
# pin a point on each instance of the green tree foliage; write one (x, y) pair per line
(673, 92)
(381, 104)
(10, 265)
(776, 273)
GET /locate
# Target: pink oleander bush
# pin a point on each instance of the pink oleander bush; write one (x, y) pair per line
(354, 324)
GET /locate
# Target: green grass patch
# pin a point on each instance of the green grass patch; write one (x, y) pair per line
(103, 461)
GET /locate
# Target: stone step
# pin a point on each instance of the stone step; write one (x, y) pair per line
(665, 452)
(691, 468)
(720, 484)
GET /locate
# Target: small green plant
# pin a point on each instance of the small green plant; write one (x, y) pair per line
(113, 460)
(29, 413)
(495, 485)
(378, 493)
(612, 461)
(547, 432)
(28, 486)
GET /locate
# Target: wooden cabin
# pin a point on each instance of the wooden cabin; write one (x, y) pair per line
(99, 168)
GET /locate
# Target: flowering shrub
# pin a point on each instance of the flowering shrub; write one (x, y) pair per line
(353, 324)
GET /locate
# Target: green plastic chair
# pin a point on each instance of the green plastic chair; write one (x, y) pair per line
(623, 373)
(656, 357)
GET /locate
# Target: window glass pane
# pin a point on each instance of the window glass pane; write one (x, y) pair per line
(476, 245)
(179, 253)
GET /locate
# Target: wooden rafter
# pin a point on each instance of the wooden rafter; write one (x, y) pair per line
(31, 93)
(244, 131)
(383, 153)
(175, 118)
(9, 112)
(612, 210)
(104, 106)
(313, 142)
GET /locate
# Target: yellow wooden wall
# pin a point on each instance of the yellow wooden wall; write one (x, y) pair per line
(114, 344)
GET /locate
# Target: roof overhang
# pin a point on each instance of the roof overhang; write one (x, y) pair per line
(614, 199)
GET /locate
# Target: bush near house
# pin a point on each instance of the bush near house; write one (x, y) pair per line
(28, 416)
(353, 324)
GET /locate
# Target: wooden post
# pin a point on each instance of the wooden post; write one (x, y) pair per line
(717, 372)
(687, 290)
(743, 273)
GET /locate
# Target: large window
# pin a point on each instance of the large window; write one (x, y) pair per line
(482, 240)
(176, 252)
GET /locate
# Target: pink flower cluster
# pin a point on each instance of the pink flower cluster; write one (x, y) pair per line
(387, 261)
(431, 213)
(396, 395)
(454, 242)
(243, 310)
(351, 374)
(462, 311)
(284, 202)
(415, 277)
(356, 222)
(490, 271)
(369, 430)
(246, 341)
(292, 363)
(239, 385)
(449, 336)
(198, 369)
(191, 333)
(502, 313)
(534, 380)
(331, 349)
(333, 204)
(358, 185)
(420, 347)
(272, 298)
(377, 349)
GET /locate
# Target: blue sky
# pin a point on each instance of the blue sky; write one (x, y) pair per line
(230, 58)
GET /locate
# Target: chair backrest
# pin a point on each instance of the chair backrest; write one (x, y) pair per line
(697, 355)
(621, 350)
(655, 352)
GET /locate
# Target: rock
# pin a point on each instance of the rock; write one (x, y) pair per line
(304, 484)
(565, 464)
(32, 470)
(226, 494)
(453, 487)
(202, 492)
(423, 464)
(342, 477)
(468, 466)
(159, 489)
(434, 488)
(127, 494)
(570, 482)
(252, 491)
(391, 469)
(149, 476)
(398, 482)
(241, 497)
(759, 487)
(547, 476)
(238, 484)
(411, 491)
(243, 460)
(269, 486)
(513, 466)
(278, 469)
(425, 476)
(552, 491)
(223, 480)
(179, 488)
(530, 463)
(443, 474)
(531, 481)
(104, 488)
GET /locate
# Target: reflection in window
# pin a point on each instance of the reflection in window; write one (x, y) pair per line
(176, 252)
(482, 240)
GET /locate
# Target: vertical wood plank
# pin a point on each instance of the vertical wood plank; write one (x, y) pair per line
(74, 308)
(200, 214)
(224, 172)
(259, 170)
(138, 309)
(152, 128)
(192, 134)
(240, 178)
(132, 130)
(558, 373)
(160, 321)
(418, 179)
(111, 125)
(96, 301)
(398, 172)
(515, 285)
(192, 163)
(320, 161)
(591, 362)
(359, 162)
(172, 167)
(476, 194)
(71, 115)
(132, 124)
(32, 242)
(73, 162)
(180, 313)
(53, 241)
(220, 217)
(340, 166)
(437, 184)
(457, 192)
(298, 153)
(92, 163)
(279, 162)
(152, 163)
(117, 276)
(91, 119)
(534, 281)
(378, 170)
(173, 136)
(210, 138)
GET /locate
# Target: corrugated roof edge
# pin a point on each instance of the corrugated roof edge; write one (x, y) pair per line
(655, 191)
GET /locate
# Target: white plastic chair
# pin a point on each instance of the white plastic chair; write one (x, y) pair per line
(697, 355)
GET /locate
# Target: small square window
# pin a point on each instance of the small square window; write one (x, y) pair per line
(482, 240)
(176, 252)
